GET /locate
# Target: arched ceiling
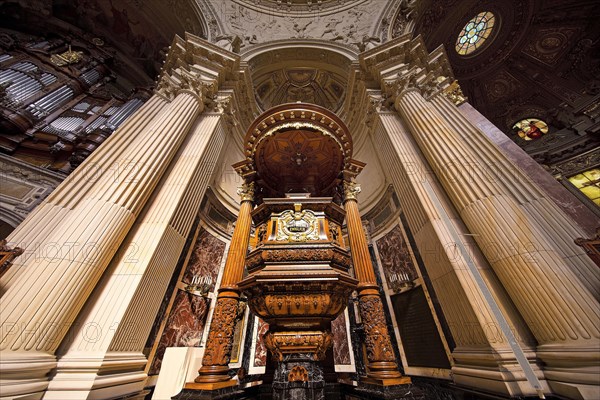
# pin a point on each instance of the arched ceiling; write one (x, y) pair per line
(309, 75)
(543, 61)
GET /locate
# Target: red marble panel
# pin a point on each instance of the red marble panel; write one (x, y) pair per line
(184, 326)
(260, 353)
(341, 349)
(206, 258)
(395, 255)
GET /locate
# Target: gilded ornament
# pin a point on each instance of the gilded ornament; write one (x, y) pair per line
(297, 226)
(246, 191)
(67, 58)
(351, 190)
(454, 93)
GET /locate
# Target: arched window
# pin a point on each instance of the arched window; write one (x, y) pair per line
(475, 33)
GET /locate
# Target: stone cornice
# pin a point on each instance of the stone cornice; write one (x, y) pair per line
(404, 64)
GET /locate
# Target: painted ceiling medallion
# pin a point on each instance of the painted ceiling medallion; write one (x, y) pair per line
(475, 33)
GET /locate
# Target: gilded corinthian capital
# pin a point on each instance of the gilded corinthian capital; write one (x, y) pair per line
(246, 191)
(454, 93)
(351, 190)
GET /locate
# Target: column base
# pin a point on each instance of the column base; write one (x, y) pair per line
(98, 376)
(213, 374)
(24, 374)
(211, 385)
(402, 380)
(575, 391)
(384, 373)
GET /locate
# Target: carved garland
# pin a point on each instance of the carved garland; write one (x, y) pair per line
(379, 346)
(220, 339)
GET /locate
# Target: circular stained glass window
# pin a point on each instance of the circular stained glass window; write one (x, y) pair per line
(475, 32)
(530, 128)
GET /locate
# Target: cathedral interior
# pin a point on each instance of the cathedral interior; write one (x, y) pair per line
(299, 199)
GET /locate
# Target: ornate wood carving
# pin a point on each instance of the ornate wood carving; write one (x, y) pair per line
(220, 338)
(377, 338)
(298, 374)
(290, 342)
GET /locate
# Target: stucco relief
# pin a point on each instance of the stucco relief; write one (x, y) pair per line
(348, 26)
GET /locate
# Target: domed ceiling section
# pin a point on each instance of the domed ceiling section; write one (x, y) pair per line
(304, 75)
(541, 60)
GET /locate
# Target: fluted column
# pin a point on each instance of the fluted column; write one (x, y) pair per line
(80, 227)
(110, 334)
(382, 367)
(561, 312)
(215, 363)
(471, 321)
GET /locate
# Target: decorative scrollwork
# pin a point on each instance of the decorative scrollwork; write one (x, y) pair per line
(377, 340)
(220, 338)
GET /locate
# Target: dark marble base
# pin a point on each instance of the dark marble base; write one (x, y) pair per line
(373, 392)
(311, 385)
(420, 389)
(246, 392)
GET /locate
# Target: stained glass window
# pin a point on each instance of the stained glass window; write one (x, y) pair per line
(589, 184)
(530, 128)
(475, 32)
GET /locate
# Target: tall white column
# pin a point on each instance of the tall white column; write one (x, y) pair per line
(44, 294)
(482, 358)
(513, 226)
(72, 236)
(103, 354)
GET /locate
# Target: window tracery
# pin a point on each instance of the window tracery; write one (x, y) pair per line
(475, 33)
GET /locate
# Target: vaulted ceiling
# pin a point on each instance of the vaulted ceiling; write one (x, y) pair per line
(542, 59)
